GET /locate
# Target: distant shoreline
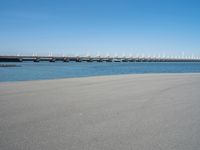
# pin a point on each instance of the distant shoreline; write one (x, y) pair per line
(9, 65)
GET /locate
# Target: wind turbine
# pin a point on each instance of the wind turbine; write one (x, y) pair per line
(116, 55)
(183, 55)
(107, 55)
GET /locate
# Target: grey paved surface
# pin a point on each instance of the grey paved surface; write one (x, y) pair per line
(131, 112)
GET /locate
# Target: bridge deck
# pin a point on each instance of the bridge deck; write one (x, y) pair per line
(93, 59)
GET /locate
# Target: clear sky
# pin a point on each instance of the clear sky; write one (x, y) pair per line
(100, 26)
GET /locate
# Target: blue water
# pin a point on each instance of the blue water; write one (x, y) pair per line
(47, 70)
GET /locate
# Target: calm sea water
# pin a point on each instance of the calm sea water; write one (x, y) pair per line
(47, 70)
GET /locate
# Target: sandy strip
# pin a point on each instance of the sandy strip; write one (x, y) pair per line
(126, 112)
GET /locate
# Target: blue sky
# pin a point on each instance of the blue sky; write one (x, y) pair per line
(100, 26)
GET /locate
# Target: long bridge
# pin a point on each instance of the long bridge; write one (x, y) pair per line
(95, 59)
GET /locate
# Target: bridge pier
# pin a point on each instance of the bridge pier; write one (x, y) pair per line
(20, 59)
(99, 60)
(65, 60)
(125, 60)
(78, 59)
(36, 60)
(52, 60)
(89, 60)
